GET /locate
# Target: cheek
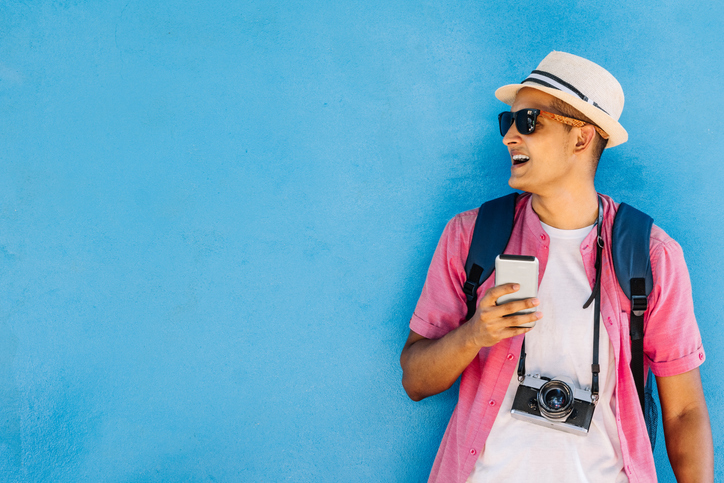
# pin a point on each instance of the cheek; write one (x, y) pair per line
(551, 153)
(554, 162)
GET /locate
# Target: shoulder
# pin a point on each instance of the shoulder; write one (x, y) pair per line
(667, 256)
(466, 219)
(660, 241)
(462, 225)
(458, 233)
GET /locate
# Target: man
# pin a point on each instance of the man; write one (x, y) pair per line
(554, 162)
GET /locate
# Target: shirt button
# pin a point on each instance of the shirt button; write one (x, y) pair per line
(701, 356)
(542, 237)
(472, 451)
(511, 357)
(491, 403)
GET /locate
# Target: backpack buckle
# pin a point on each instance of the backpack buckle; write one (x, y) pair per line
(469, 288)
(639, 304)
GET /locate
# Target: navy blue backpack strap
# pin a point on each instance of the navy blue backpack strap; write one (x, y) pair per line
(490, 237)
(631, 238)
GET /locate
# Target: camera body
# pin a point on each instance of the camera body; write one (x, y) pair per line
(554, 403)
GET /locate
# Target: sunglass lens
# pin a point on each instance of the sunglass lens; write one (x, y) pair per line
(525, 121)
(505, 119)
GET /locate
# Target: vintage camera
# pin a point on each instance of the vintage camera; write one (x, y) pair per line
(554, 403)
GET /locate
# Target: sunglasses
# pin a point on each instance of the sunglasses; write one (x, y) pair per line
(525, 121)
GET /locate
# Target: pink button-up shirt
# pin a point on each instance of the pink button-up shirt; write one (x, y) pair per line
(672, 343)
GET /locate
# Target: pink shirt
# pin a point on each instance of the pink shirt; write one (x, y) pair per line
(672, 343)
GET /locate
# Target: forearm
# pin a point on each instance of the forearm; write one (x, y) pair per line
(431, 366)
(689, 445)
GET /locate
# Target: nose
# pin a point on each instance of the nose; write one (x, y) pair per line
(512, 136)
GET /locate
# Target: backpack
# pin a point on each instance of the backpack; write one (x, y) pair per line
(630, 240)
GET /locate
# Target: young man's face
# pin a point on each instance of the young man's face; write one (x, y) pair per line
(551, 166)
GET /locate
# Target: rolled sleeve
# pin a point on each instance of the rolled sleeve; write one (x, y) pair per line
(425, 328)
(679, 366)
(672, 342)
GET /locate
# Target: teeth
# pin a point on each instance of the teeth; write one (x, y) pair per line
(520, 158)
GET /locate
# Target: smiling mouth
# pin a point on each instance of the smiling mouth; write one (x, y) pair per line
(520, 159)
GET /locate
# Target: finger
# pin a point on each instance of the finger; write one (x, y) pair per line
(492, 295)
(513, 331)
(500, 324)
(517, 306)
(518, 320)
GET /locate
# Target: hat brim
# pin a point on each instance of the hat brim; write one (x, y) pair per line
(616, 133)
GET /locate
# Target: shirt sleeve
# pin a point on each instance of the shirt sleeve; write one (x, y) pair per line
(672, 342)
(442, 304)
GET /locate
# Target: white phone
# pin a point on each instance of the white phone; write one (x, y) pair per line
(520, 269)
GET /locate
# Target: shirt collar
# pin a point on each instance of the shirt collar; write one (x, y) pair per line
(533, 224)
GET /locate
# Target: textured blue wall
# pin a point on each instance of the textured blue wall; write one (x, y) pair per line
(216, 218)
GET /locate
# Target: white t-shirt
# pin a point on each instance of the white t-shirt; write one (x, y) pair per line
(561, 344)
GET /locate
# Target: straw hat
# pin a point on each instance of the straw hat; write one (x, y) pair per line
(579, 82)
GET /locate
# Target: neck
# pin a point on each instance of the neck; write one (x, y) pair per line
(567, 210)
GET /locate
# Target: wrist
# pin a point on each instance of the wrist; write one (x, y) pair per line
(474, 339)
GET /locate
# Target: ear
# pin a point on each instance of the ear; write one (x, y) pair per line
(584, 140)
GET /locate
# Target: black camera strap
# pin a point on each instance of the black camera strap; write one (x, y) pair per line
(595, 295)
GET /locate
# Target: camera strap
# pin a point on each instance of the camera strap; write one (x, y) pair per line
(595, 296)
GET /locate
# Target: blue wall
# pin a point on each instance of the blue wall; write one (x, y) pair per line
(216, 218)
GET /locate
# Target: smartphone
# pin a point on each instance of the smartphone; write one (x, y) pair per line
(520, 269)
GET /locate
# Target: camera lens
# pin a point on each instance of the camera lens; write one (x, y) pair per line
(555, 400)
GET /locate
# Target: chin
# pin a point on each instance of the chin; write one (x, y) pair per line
(516, 184)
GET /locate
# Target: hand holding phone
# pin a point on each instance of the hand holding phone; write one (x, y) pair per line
(522, 270)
